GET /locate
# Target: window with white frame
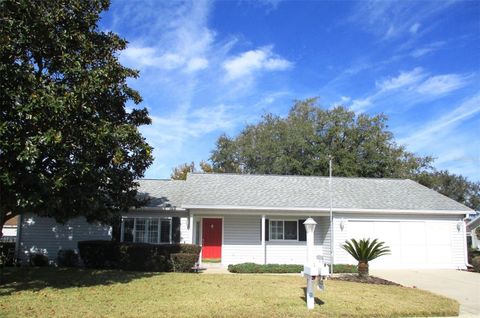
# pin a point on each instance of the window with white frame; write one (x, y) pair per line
(147, 230)
(283, 230)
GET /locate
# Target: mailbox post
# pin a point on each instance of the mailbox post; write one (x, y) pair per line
(313, 268)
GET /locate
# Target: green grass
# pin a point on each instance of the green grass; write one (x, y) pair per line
(48, 292)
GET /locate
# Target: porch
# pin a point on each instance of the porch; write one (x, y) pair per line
(229, 238)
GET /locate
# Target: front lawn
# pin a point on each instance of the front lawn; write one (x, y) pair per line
(49, 292)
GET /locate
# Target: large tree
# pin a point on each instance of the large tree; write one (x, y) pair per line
(452, 185)
(302, 142)
(68, 146)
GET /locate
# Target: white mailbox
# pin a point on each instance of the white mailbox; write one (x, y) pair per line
(313, 269)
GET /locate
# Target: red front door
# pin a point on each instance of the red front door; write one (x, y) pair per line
(212, 240)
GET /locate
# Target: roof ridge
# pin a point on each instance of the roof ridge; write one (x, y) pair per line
(159, 179)
(295, 175)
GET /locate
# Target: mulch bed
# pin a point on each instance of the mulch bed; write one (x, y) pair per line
(366, 280)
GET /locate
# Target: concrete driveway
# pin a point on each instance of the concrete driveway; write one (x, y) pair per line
(459, 285)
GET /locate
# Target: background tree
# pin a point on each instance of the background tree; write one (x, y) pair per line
(68, 147)
(180, 172)
(454, 186)
(300, 144)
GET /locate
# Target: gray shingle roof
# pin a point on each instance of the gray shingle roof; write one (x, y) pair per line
(163, 194)
(270, 191)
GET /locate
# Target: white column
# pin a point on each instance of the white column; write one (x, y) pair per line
(122, 229)
(310, 249)
(264, 254)
(190, 225)
(310, 293)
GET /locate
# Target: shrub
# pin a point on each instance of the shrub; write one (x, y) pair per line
(476, 264)
(283, 268)
(67, 258)
(7, 253)
(132, 256)
(365, 251)
(472, 252)
(38, 259)
(183, 262)
(267, 268)
(99, 254)
(144, 257)
(189, 249)
(344, 268)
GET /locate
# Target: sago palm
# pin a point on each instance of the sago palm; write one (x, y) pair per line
(364, 251)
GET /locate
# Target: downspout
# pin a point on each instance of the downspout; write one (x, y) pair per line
(465, 253)
(331, 215)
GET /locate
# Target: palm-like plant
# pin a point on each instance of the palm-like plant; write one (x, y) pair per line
(364, 251)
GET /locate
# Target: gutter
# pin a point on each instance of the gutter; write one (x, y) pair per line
(337, 210)
(465, 245)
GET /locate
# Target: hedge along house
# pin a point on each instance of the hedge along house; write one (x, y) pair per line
(258, 218)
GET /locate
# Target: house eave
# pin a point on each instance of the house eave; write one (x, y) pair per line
(322, 210)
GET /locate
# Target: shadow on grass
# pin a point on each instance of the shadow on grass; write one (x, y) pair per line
(38, 278)
(318, 301)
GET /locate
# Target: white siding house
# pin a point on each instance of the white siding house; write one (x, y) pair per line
(258, 218)
(44, 235)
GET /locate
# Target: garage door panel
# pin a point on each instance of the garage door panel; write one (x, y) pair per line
(388, 232)
(413, 233)
(412, 243)
(439, 255)
(438, 233)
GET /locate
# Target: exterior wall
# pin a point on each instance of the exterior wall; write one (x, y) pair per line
(437, 229)
(242, 240)
(185, 233)
(44, 235)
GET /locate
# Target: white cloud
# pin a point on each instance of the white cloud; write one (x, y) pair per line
(404, 79)
(392, 19)
(414, 28)
(442, 84)
(419, 52)
(409, 88)
(434, 131)
(247, 63)
(360, 105)
(196, 64)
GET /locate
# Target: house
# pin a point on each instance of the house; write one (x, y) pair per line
(258, 218)
(472, 227)
(9, 230)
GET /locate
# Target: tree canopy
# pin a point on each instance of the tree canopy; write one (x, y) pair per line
(68, 146)
(180, 172)
(302, 142)
(453, 186)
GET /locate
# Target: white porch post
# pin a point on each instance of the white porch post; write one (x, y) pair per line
(190, 226)
(122, 229)
(264, 253)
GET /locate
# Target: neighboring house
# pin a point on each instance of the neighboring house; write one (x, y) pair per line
(9, 230)
(472, 227)
(258, 218)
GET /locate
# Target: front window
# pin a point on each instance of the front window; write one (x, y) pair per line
(147, 230)
(283, 230)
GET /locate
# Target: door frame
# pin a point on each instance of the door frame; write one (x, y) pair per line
(201, 233)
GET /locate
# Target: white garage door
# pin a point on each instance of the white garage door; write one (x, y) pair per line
(413, 244)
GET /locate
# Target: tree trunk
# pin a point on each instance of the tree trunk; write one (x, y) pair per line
(363, 269)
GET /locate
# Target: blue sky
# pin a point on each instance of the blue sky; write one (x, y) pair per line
(208, 68)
